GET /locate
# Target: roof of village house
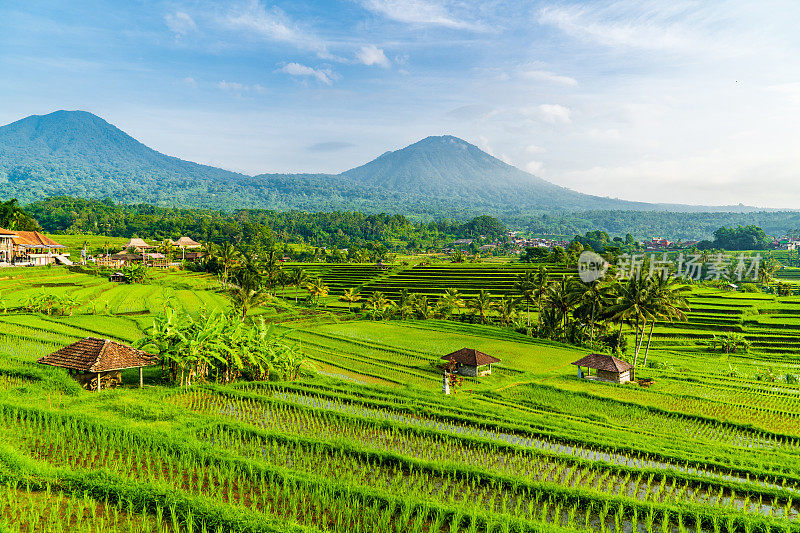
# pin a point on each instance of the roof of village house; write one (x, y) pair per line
(187, 242)
(600, 361)
(34, 239)
(98, 355)
(137, 243)
(471, 357)
(7, 233)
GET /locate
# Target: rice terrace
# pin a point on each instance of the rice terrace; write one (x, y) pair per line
(399, 266)
(327, 414)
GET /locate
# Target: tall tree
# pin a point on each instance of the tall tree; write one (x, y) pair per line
(481, 304)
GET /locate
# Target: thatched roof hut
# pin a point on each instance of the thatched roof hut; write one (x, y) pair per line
(95, 361)
(137, 243)
(471, 362)
(607, 367)
(186, 242)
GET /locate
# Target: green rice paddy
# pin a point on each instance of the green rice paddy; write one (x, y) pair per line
(365, 441)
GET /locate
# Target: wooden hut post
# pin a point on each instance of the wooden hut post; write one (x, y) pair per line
(141, 378)
(98, 382)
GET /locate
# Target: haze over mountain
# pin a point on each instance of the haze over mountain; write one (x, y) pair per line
(77, 153)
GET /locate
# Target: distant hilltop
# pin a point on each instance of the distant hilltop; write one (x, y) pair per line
(76, 153)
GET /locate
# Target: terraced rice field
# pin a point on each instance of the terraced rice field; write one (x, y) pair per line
(364, 441)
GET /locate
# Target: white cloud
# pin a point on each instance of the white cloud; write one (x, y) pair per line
(535, 149)
(180, 23)
(274, 25)
(534, 166)
(551, 113)
(188, 80)
(789, 90)
(372, 55)
(298, 70)
(230, 86)
(240, 87)
(421, 12)
(545, 76)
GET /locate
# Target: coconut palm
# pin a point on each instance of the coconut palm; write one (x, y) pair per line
(450, 301)
(481, 304)
(526, 286)
(377, 302)
(297, 278)
(540, 281)
(633, 303)
(560, 300)
(350, 296)
(317, 289)
(507, 309)
(668, 303)
(421, 307)
(590, 299)
(228, 255)
(404, 301)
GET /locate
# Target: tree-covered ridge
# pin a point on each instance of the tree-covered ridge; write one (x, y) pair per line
(671, 225)
(334, 229)
(75, 153)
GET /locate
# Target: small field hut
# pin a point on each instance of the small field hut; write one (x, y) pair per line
(607, 368)
(98, 363)
(471, 362)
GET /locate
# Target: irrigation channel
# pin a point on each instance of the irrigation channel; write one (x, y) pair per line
(643, 487)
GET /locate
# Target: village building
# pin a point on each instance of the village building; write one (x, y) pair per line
(471, 362)
(137, 244)
(98, 363)
(7, 245)
(34, 248)
(607, 368)
(186, 243)
(118, 277)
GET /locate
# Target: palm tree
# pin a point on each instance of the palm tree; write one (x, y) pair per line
(248, 284)
(526, 286)
(167, 248)
(558, 297)
(228, 254)
(540, 281)
(404, 301)
(669, 303)
(318, 289)
(297, 278)
(451, 300)
(590, 299)
(377, 302)
(420, 305)
(507, 309)
(350, 296)
(633, 303)
(481, 304)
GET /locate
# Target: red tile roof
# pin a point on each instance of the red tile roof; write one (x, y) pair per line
(34, 239)
(98, 355)
(7, 233)
(599, 361)
(471, 357)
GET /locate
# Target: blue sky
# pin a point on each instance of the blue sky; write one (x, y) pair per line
(692, 102)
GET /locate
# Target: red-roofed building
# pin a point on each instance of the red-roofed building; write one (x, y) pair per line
(34, 248)
(7, 245)
(471, 362)
(607, 367)
(98, 363)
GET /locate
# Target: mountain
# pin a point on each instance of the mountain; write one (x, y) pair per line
(76, 153)
(451, 168)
